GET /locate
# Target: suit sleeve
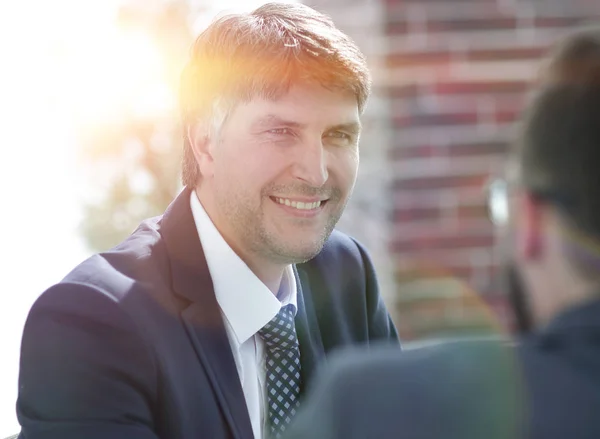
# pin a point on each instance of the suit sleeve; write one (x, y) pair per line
(85, 371)
(381, 327)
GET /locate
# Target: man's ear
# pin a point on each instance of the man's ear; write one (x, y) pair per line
(530, 227)
(199, 138)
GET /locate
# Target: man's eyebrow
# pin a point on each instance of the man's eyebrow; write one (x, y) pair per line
(271, 119)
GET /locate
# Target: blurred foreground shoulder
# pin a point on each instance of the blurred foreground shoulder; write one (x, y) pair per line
(456, 390)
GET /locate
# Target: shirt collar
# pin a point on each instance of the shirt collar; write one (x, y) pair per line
(244, 299)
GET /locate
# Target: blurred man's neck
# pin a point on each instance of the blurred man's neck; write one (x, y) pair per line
(559, 293)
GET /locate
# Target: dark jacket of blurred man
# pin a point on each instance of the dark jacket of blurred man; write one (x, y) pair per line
(208, 321)
(548, 387)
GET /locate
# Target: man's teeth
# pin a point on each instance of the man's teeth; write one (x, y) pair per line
(298, 204)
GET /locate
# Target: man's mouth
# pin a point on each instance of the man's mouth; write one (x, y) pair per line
(300, 205)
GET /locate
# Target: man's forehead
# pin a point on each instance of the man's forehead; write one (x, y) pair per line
(306, 105)
(303, 92)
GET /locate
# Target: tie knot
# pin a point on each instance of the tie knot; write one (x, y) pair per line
(280, 332)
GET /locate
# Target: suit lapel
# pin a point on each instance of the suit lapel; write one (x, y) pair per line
(307, 329)
(202, 318)
(214, 351)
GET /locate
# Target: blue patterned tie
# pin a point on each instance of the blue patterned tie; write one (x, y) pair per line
(283, 369)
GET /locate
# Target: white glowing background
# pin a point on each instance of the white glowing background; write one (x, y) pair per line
(62, 63)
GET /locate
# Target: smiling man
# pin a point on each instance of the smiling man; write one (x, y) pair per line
(209, 321)
(277, 176)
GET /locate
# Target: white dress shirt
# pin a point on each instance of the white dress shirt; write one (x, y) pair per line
(246, 305)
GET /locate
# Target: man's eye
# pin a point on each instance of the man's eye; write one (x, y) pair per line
(339, 135)
(281, 131)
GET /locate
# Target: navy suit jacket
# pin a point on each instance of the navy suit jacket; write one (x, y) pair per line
(132, 345)
(545, 387)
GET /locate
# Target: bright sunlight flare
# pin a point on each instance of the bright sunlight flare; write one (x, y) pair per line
(116, 73)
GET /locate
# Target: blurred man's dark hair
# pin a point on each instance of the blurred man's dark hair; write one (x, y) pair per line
(559, 146)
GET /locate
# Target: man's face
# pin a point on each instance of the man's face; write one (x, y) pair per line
(278, 177)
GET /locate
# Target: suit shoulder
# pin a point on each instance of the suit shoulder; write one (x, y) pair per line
(342, 248)
(73, 298)
(139, 260)
(340, 241)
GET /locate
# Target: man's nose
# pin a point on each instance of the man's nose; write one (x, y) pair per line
(311, 164)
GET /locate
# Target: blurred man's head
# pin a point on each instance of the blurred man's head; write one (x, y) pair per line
(271, 103)
(553, 183)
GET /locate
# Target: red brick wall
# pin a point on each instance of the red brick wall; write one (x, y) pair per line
(457, 74)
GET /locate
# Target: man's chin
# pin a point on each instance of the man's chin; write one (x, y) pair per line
(294, 246)
(304, 255)
(300, 253)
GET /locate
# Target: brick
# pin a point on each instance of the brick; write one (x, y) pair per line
(468, 212)
(510, 53)
(442, 241)
(439, 182)
(434, 197)
(494, 150)
(479, 87)
(431, 263)
(442, 166)
(404, 92)
(417, 151)
(457, 150)
(416, 213)
(403, 26)
(391, 3)
(442, 9)
(476, 39)
(411, 59)
(558, 21)
(506, 116)
(484, 103)
(466, 275)
(396, 27)
(583, 9)
(472, 195)
(517, 70)
(491, 23)
(462, 270)
(437, 120)
(425, 228)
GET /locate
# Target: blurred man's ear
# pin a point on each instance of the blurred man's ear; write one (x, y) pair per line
(199, 139)
(529, 227)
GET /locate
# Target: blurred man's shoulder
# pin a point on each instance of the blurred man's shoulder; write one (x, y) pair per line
(460, 389)
(460, 357)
